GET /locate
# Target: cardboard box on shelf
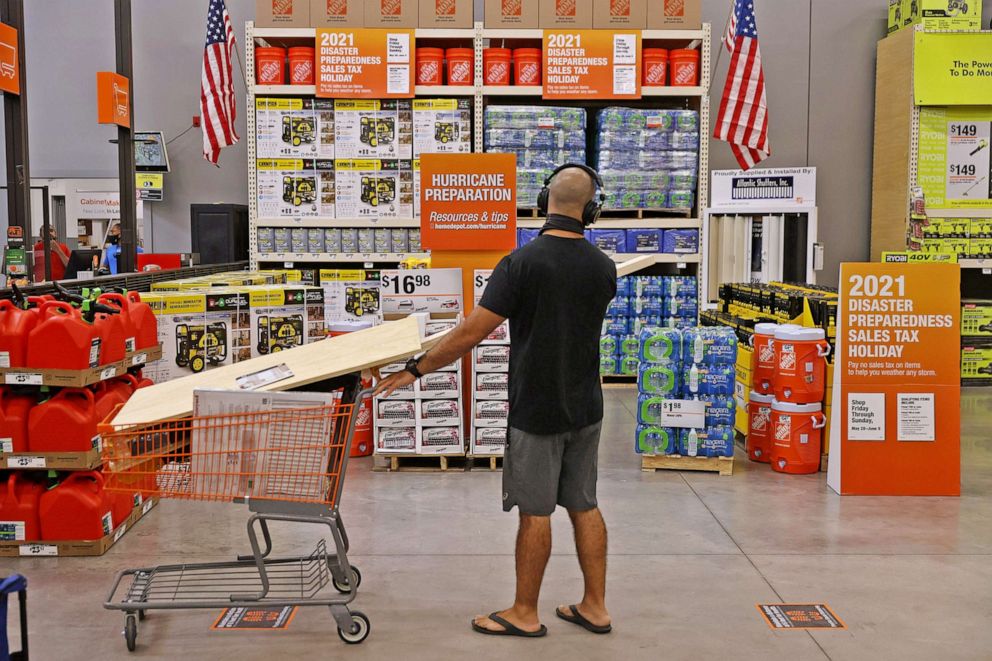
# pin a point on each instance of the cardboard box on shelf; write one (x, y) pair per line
(935, 15)
(293, 188)
(976, 318)
(442, 126)
(282, 13)
(352, 298)
(554, 14)
(337, 14)
(373, 129)
(523, 14)
(976, 362)
(391, 13)
(447, 13)
(284, 317)
(367, 188)
(620, 14)
(674, 14)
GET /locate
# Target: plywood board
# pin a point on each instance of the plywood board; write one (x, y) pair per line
(635, 265)
(390, 342)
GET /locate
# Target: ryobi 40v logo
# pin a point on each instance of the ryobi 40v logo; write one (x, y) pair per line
(282, 7)
(565, 7)
(783, 428)
(511, 8)
(444, 7)
(620, 8)
(787, 361)
(337, 7)
(391, 7)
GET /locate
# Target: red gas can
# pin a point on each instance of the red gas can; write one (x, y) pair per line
(15, 325)
(65, 423)
(796, 430)
(113, 337)
(77, 509)
(801, 362)
(121, 506)
(759, 428)
(145, 324)
(119, 302)
(14, 412)
(62, 340)
(110, 394)
(143, 382)
(19, 497)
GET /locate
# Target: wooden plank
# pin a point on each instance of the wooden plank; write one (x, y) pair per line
(721, 465)
(635, 265)
(390, 342)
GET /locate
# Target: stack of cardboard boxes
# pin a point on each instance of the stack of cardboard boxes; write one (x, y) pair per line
(968, 238)
(976, 343)
(935, 15)
(364, 13)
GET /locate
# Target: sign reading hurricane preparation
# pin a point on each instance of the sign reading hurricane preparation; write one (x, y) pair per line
(468, 201)
(592, 64)
(364, 64)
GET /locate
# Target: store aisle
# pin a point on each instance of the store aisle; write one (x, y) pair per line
(690, 556)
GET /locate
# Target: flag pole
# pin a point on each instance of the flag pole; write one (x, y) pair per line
(721, 48)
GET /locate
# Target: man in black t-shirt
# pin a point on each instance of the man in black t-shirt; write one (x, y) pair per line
(555, 292)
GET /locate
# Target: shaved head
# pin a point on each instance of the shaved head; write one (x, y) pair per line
(570, 191)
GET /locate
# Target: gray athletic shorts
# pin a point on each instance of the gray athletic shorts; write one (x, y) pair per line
(542, 471)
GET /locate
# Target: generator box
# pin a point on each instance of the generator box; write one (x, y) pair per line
(282, 13)
(976, 362)
(936, 15)
(369, 188)
(976, 318)
(391, 13)
(295, 188)
(555, 14)
(513, 14)
(619, 14)
(674, 14)
(442, 126)
(284, 317)
(337, 13)
(447, 13)
(373, 129)
(352, 299)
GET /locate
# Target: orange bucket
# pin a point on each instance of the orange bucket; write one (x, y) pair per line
(763, 358)
(654, 71)
(496, 66)
(429, 62)
(301, 65)
(461, 66)
(796, 437)
(685, 68)
(527, 66)
(801, 364)
(759, 427)
(269, 66)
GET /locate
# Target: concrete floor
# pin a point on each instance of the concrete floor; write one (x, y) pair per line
(690, 556)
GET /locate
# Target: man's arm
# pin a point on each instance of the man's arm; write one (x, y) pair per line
(63, 254)
(477, 327)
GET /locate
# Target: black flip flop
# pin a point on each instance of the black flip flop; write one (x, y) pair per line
(509, 629)
(576, 618)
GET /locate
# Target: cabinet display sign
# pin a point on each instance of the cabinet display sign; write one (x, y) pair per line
(10, 72)
(365, 64)
(955, 157)
(592, 64)
(953, 69)
(468, 202)
(896, 416)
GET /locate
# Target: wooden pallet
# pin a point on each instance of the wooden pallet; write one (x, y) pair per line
(420, 463)
(721, 465)
(618, 380)
(490, 462)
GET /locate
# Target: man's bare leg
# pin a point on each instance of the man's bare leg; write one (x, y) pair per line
(590, 543)
(532, 553)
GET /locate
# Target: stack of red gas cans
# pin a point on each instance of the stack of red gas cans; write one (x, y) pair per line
(785, 414)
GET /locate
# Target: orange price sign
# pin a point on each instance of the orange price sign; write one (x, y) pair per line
(896, 418)
(592, 64)
(113, 98)
(365, 64)
(10, 70)
(468, 201)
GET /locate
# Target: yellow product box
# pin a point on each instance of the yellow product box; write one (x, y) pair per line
(976, 318)
(284, 317)
(956, 228)
(936, 15)
(744, 357)
(981, 228)
(980, 248)
(741, 421)
(934, 229)
(976, 362)
(957, 246)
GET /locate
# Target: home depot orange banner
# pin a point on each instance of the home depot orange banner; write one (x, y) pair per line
(10, 68)
(364, 64)
(592, 64)
(468, 201)
(113, 99)
(896, 425)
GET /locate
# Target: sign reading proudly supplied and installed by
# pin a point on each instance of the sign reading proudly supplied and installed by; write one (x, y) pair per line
(113, 99)
(468, 202)
(952, 69)
(365, 63)
(955, 157)
(10, 69)
(896, 424)
(592, 64)
(763, 187)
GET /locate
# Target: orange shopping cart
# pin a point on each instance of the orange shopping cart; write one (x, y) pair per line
(286, 464)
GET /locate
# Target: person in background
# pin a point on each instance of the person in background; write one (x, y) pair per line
(60, 255)
(555, 292)
(112, 250)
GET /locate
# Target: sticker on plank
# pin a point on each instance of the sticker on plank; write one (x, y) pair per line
(265, 377)
(38, 550)
(267, 618)
(800, 616)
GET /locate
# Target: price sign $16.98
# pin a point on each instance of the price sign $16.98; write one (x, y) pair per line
(408, 282)
(433, 290)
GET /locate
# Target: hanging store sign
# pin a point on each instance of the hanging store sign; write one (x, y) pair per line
(468, 201)
(763, 188)
(113, 99)
(955, 157)
(592, 64)
(896, 421)
(953, 69)
(10, 70)
(364, 64)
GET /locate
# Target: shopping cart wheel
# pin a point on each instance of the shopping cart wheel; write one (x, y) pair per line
(360, 628)
(130, 632)
(345, 588)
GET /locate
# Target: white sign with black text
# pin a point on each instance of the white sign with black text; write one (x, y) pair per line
(422, 290)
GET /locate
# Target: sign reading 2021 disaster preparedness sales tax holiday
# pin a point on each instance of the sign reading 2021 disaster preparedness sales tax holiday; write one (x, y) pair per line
(468, 201)
(895, 428)
(364, 64)
(592, 64)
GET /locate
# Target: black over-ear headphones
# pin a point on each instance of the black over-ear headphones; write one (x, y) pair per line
(593, 208)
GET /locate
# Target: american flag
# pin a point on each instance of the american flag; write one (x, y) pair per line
(743, 117)
(217, 108)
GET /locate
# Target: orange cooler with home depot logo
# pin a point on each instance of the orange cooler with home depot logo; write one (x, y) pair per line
(796, 437)
(759, 430)
(763, 358)
(801, 362)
